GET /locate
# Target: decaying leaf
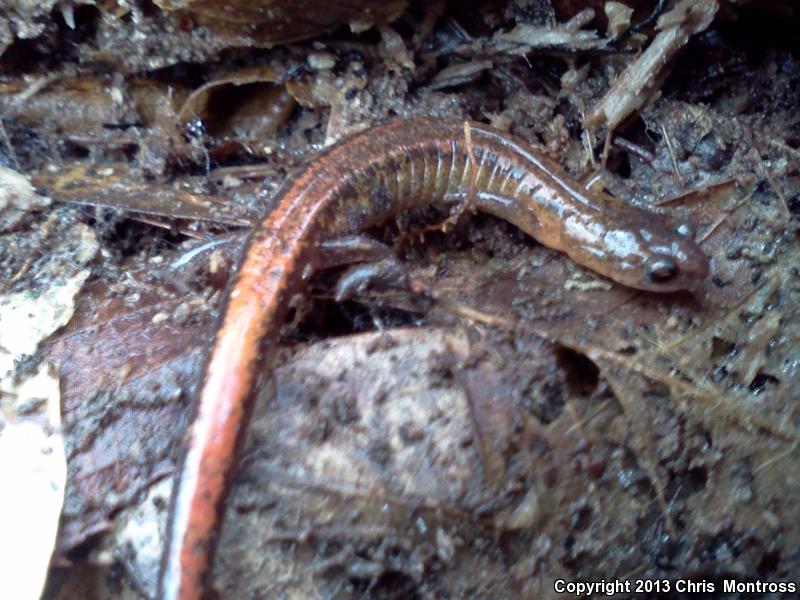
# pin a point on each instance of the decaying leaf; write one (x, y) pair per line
(33, 464)
(17, 198)
(276, 21)
(31, 315)
(112, 186)
(265, 102)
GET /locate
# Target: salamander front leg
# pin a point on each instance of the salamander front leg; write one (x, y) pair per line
(385, 284)
(349, 250)
(374, 269)
(383, 276)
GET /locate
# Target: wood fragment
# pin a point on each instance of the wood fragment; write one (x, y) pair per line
(642, 79)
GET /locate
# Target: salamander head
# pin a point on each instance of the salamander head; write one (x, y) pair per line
(639, 249)
(670, 260)
(650, 254)
(647, 252)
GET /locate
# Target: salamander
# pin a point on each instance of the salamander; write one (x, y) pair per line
(355, 184)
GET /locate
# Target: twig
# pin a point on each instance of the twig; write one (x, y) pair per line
(671, 152)
(636, 149)
(34, 88)
(721, 219)
(7, 143)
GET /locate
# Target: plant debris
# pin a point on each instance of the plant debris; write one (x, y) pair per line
(640, 79)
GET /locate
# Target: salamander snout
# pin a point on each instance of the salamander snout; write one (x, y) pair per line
(676, 263)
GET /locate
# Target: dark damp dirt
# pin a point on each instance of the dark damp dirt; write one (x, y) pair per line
(524, 421)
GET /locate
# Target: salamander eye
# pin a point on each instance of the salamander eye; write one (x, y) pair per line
(685, 230)
(661, 269)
